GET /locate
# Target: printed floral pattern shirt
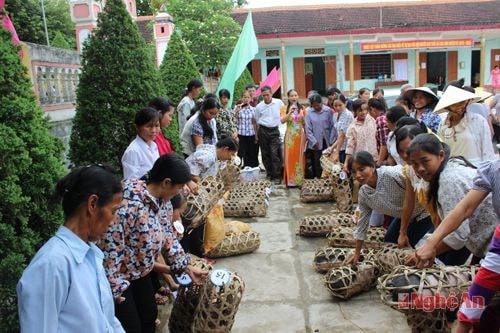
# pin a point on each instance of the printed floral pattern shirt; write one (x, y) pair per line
(141, 229)
(226, 122)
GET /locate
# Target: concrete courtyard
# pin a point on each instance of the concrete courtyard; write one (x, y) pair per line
(284, 294)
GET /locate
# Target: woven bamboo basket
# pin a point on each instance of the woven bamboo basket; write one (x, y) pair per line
(199, 205)
(249, 206)
(327, 258)
(428, 322)
(236, 243)
(218, 306)
(245, 186)
(343, 237)
(229, 174)
(316, 190)
(341, 188)
(200, 263)
(346, 281)
(321, 225)
(389, 257)
(404, 282)
(184, 309)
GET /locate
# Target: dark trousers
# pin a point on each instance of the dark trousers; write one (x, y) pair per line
(249, 151)
(342, 156)
(192, 241)
(314, 156)
(416, 230)
(138, 312)
(270, 148)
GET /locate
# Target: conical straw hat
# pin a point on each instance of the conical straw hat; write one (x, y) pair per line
(453, 95)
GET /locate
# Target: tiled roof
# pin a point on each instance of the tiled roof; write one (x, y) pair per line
(408, 15)
(142, 23)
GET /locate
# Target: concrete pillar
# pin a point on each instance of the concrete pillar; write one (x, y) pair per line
(351, 68)
(283, 69)
(417, 68)
(482, 46)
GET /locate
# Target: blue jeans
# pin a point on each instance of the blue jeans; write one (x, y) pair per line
(416, 230)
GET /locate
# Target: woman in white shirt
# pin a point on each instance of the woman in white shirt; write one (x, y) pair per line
(193, 90)
(142, 153)
(466, 133)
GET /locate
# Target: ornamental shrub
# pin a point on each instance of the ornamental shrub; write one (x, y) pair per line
(118, 78)
(240, 85)
(176, 70)
(30, 164)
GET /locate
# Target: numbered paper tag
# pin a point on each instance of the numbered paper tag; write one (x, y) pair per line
(269, 191)
(220, 277)
(342, 175)
(236, 160)
(223, 165)
(184, 279)
(178, 227)
(336, 168)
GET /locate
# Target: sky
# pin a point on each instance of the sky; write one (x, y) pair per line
(273, 3)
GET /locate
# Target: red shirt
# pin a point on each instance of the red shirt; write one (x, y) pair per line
(164, 146)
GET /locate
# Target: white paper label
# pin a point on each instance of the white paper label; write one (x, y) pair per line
(342, 175)
(220, 277)
(184, 279)
(178, 227)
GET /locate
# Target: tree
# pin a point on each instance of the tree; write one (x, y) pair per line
(59, 41)
(118, 78)
(240, 85)
(30, 165)
(26, 15)
(149, 7)
(208, 29)
(176, 70)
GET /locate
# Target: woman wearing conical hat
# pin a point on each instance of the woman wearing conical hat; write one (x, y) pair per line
(466, 133)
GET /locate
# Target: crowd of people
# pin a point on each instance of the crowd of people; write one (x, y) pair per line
(426, 163)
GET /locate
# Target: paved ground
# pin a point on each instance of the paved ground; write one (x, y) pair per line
(283, 292)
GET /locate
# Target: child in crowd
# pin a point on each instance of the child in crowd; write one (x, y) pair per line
(422, 101)
(393, 116)
(247, 129)
(142, 152)
(364, 94)
(361, 132)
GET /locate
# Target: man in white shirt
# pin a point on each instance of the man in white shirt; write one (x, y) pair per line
(267, 116)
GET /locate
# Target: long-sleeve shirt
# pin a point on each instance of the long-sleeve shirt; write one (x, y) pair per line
(475, 232)
(485, 284)
(143, 226)
(341, 122)
(183, 111)
(361, 136)
(64, 289)
(319, 127)
(386, 198)
(139, 158)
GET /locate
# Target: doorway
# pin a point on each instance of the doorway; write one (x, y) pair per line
(436, 69)
(315, 77)
(271, 63)
(474, 68)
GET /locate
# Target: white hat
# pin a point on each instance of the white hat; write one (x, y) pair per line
(483, 94)
(426, 90)
(453, 95)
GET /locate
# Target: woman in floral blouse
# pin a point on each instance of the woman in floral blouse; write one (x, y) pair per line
(226, 121)
(143, 227)
(293, 114)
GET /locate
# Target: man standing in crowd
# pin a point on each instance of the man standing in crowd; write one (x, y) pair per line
(267, 116)
(254, 100)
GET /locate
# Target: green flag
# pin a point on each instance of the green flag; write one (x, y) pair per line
(245, 50)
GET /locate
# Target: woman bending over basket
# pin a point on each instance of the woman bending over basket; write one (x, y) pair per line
(383, 190)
